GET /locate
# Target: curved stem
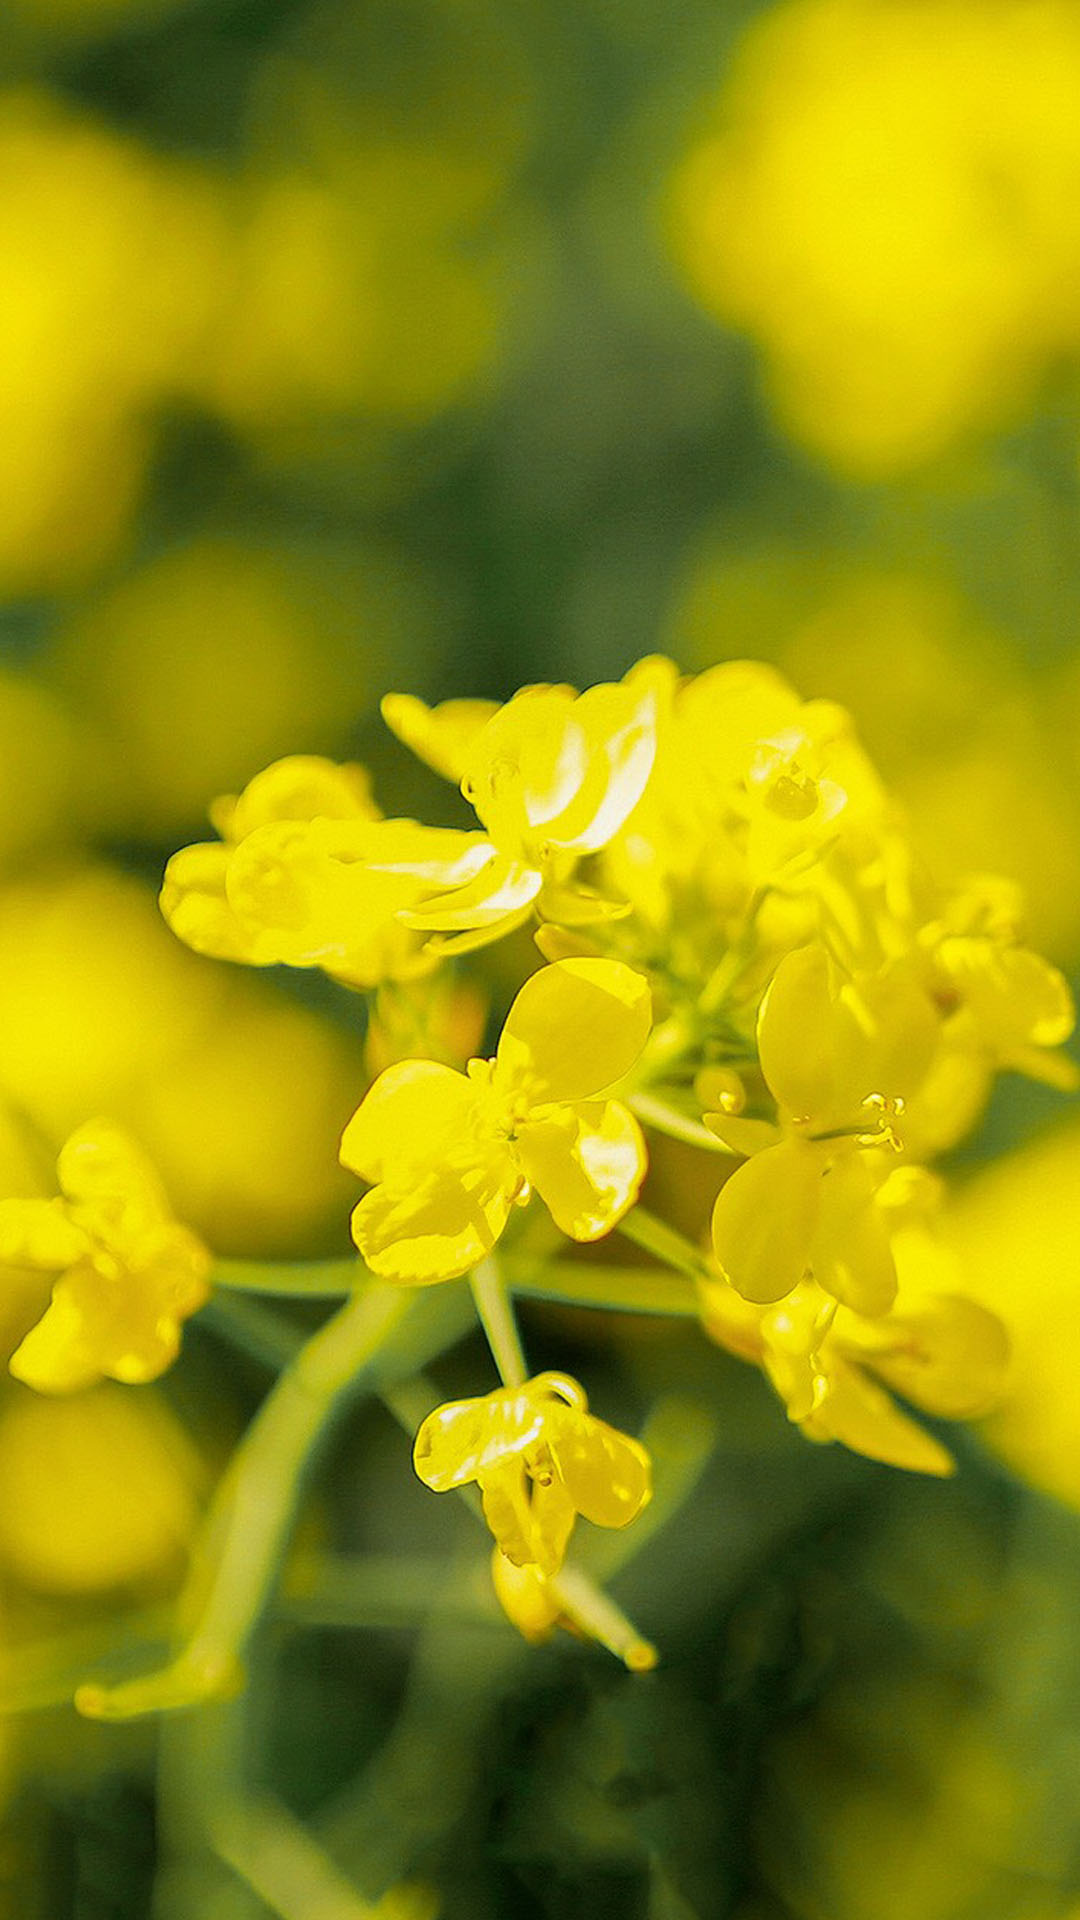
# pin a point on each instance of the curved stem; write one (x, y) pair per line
(383, 1333)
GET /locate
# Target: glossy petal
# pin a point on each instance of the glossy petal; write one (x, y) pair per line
(525, 768)
(575, 1028)
(607, 1474)
(418, 1115)
(441, 736)
(764, 1219)
(619, 727)
(39, 1233)
(437, 1230)
(586, 1163)
(465, 1439)
(500, 891)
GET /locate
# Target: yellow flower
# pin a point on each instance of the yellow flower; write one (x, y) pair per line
(1002, 1001)
(839, 1058)
(832, 1367)
(540, 1458)
(552, 776)
(129, 1273)
(308, 874)
(449, 1154)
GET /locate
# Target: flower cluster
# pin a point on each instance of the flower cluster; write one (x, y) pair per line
(741, 943)
(740, 950)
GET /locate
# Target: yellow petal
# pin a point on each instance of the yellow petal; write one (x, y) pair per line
(55, 1357)
(764, 1219)
(743, 1136)
(415, 1118)
(607, 1474)
(39, 1233)
(531, 1521)
(1016, 997)
(945, 1353)
(525, 1598)
(851, 1253)
(619, 728)
(436, 1231)
(99, 1165)
(503, 890)
(300, 787)
(587, 1164)
(797, 1032)
(441, 736)
(861, 1415)
(194, 902)
(525, 768)
(575, 1028)
(467, 1438)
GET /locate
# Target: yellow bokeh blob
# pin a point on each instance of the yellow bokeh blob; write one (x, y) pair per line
(886, 202)
(1016, 1229)
(95, 996)
(108, 269)
(98, 1491)
(218, 657)
(245, 1128)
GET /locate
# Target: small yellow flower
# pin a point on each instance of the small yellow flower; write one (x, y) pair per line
(540, 1458)
(552, 776)
(831, 1367)
(448, 1154)
(308, 874)
(839, 1059)
(129, 1273)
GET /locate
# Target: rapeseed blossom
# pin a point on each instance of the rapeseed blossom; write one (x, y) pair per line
(540, 1458)
(552, 777)
(129, 1274)
(449, 1154)
(745, 952)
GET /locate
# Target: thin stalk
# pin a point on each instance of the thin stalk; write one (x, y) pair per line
(589, 1283)
(668, 1246)
(496, 1314)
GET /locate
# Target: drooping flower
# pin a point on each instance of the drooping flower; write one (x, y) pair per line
(540, 1458)
(448, 1154)
(836, 1370)
(839, 1058)
(552, 776)
(128, 1272)
(308, 874)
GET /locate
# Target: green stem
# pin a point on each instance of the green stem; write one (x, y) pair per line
(496, 1314)
(310, 1279)
(588, 1283)
(384, 1333)
(678, 1126)
(668, 1246)
(598, 1616)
